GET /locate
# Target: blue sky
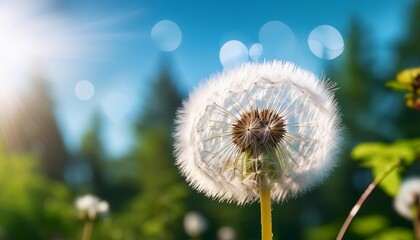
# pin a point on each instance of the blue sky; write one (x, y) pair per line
(109, 44)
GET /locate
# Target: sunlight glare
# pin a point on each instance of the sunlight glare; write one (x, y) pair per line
(29, 39)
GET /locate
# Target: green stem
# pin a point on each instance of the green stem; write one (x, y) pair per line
(364, 196)
(265, 203)
(87, 230)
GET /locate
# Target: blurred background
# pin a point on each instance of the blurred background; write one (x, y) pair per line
(89, 90)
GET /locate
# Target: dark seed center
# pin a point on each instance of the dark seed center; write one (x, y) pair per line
(258, 130)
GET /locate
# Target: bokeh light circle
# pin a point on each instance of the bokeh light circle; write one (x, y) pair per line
(166, 35)
(277, 40)
(118, 105)
(195, 224)
(226, 233)
(255, 51)
(232, 53)
(84, 90)
(326, 42)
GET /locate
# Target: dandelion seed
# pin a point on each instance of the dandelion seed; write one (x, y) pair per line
(270, 121)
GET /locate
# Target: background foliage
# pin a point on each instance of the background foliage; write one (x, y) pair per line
(39, 178)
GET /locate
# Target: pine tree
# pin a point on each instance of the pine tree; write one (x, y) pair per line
(357, 84)
(358, 87)
(160, 204)
(32, 128)
(408, 50)
(92, 152)
(408, 56)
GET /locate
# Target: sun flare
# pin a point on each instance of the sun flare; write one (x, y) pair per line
(30, 38)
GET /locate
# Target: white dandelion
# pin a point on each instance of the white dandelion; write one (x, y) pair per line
(259, 131)
(271, 120)
(408, 198)
(89, 207)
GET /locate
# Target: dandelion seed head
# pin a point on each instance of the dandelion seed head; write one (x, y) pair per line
(256, 131)
(271, 121)
(404, 202)
(89, 207)
(86, 202)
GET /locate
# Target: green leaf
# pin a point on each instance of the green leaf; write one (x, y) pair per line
(392, 182)
(326, 231)
(414, 144)
(394, 233)
(380, 156)
(398, 86)
(371, 154)
(365, 151)
(368, 225)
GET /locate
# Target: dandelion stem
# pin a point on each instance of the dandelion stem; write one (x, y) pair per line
(87, 230)
(364, 196)
(265, 203)
(416, 219)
